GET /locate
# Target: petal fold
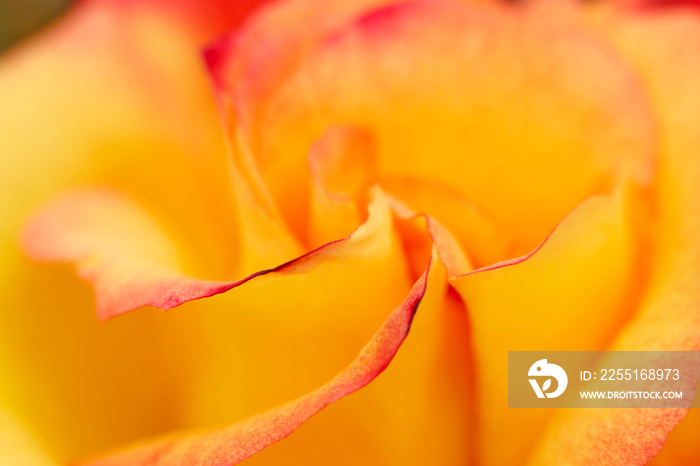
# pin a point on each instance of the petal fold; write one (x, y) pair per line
(471, 96)
(116, 246)
(655, 42)
(341, 163)
(236, 443)
(131, 260)
(571, 293)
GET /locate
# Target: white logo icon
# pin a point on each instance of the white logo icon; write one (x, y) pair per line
(542, 369)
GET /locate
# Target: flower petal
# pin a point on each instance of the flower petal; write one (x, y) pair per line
(206, 19)
(17, 444)
(571, 293)
(341, 163)
(129, 259)
(248, 64)
(668, 318)
(503, 108)
(78, 235)
(236, 443)
(431, 373)
(115, 96)
(126, 96)
(478, 235)
(117, 247)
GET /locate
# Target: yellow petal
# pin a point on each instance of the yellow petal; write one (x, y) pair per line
(119, 96)
(247, 65)
(18, 445)
(488, 100)
(341, 163)
(430, 373)
(240, 441)
(572, 293)
(477, 234)
(268, 330)
(655, 42)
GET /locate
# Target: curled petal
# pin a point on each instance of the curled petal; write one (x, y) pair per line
(113, 95)
(341, 163)
(131, 260)
(498, 109)
(240, 441)
(421, 232)
(65, 231)
(477, 234)
(118, 247)
(571, 293)
(667, 319)
(248, 64)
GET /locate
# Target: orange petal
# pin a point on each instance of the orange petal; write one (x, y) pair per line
(265, 239)
(115, 96)
(250, 63)
(439, 361)
(18, 445)
(662, 46)
(127, 104)
(247, 65)
(240, 441)
(128, 258)
(471, 96)
(336, 305)
(571, 293)
(477, 234)
(116, 246)
(206, 19)
(421, 233)
(431, 373)
(341, 163)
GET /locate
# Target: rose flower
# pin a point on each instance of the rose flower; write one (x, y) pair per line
(356, 208)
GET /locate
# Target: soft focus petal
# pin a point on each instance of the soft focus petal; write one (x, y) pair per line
(115, 96)
(329, 298)
(431, 373)
(477, 234)
(236, 443)
(247, 65)
(341, 164)
(668, 318)
(307, 334)
(250, 63)
(490, 101)
(128, 258)
(572, 293)
(206, 19)
(126, 96)
(17, 444)
(439, 361)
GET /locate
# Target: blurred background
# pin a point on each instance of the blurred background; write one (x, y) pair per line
(19, 18)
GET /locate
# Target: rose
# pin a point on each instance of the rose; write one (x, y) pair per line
(496, 120)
